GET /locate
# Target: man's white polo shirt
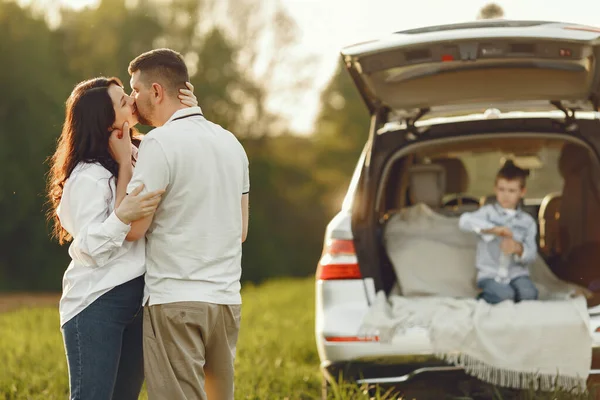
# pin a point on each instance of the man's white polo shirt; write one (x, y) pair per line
(194, 244)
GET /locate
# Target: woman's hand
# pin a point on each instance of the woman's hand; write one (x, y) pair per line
(119, 145)
(187, 97)
(135, 206)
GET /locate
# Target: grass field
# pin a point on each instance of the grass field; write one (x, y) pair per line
(277, 358)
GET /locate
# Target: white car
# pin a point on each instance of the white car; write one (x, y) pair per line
(464, 98)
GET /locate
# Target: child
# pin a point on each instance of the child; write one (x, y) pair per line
(507, 244)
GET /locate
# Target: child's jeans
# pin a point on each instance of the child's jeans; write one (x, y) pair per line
(518, 289)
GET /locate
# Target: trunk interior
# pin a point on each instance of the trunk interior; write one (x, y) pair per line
(457, 174)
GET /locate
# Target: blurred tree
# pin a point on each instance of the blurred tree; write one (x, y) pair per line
(102, 41)
(34, 87)
(341, 131)
(287, 215)
(491, 11)
(267, 37)
(41, 65)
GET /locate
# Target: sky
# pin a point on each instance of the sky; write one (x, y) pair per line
(328, 25)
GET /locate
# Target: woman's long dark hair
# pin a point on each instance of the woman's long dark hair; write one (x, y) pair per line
(84, 138)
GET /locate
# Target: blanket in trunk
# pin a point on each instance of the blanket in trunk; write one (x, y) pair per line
(541, 344)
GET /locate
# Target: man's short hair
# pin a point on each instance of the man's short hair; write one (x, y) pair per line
(511, 172)
(164, 66)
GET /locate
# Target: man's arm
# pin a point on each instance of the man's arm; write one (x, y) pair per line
(245, 212)
(245, 194)
(152, 170)
(139, 228)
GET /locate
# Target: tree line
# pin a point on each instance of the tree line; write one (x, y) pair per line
(297, 181)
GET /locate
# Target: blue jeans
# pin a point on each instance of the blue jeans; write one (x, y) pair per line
(518, 289)
(104, 346)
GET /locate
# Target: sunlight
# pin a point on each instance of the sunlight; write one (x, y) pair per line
(75, 4)
(78, 4)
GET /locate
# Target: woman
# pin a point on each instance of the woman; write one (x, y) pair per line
(101, 305)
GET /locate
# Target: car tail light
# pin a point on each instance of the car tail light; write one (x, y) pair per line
(338, 261)
(352, 339)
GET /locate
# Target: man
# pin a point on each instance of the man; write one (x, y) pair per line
(193, 251)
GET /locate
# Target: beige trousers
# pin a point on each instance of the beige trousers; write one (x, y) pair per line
(189, 350)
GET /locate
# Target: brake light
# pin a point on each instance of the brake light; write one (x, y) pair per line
(338, 261)
(352, 339)
(338, 271)
(565, 52)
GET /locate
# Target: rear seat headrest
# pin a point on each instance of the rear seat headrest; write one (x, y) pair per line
(457, 177)
(427, 184)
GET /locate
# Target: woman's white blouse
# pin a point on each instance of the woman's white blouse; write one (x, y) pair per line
(101, 257)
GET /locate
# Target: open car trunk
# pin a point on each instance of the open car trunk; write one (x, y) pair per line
(459, 69)
(544, 343)
(417, 268)
(451, 177)
(575, 180)
(510, 344)
(431, 256)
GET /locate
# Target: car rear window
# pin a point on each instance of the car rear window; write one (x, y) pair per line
(544, 176)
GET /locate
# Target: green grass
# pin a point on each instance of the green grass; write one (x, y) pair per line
(276, 358)
(32, 360)
(276, 355)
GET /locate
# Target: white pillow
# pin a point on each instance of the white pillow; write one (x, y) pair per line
(430, 254)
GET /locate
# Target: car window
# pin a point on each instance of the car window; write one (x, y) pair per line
(544, 177)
